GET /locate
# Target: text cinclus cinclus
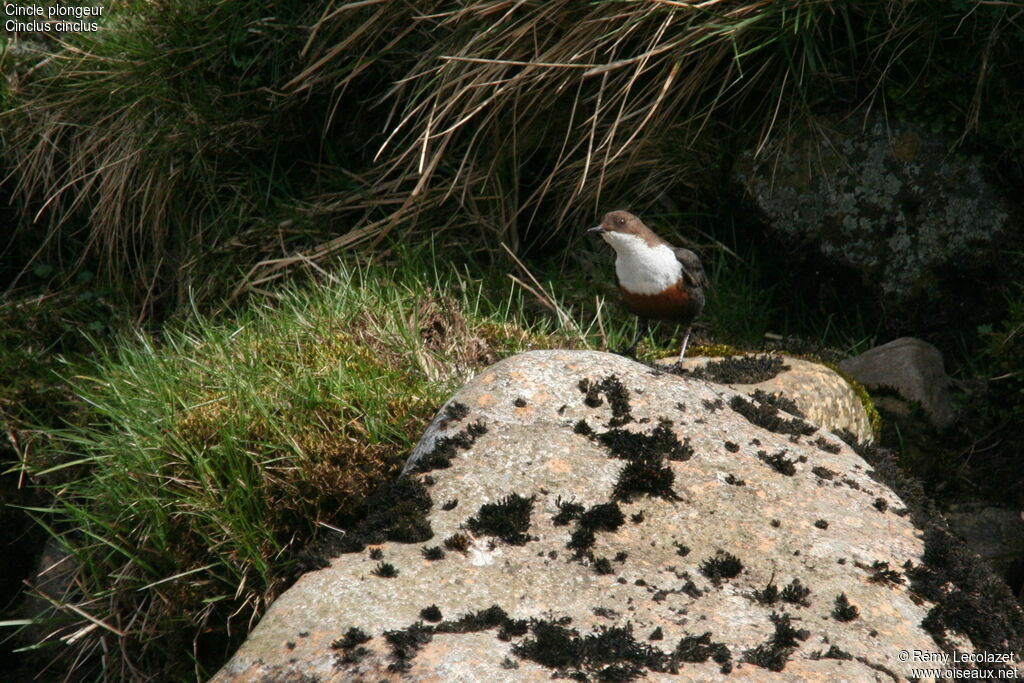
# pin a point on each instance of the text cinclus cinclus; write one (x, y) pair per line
(657, 281)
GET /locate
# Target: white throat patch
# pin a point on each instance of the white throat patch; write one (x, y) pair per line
(641, 268)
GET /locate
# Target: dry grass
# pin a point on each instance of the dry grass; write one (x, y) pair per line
(501, 120)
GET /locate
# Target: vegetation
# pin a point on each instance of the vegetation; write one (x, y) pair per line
(194, 388)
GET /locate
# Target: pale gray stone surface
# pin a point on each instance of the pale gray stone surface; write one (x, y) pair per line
(532, 449)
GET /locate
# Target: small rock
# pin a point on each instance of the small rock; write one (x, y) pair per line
(911, 367)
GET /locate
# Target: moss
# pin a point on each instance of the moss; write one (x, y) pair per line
(721, 566)
(701, 648)
(778, 462)
(616, 393)
(353, 637)
(796, 593)
(662, 441)
(879, 572)
(764, 414)
(844, 610)
(457, 542)
(774, 653)
(405, 643)
(447, 447)
(567, 511)
(747, 369)
(823, 472)
(433, 553)
(645, 476)
(431, 613)
(608, 653)
(508, 519)
(385, 570)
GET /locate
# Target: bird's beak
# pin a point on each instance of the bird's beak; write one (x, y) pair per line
(596, 228)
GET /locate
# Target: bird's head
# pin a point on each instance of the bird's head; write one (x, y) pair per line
(617, 225)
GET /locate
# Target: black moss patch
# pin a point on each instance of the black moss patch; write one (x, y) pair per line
(457, 542)
(880, 504)
(450, 504)
(774, 652)
(405, 643)
(662, 442)
(769, 595)
(766, 415)
(825, 445)
(352, 638)
(821, 524)
(732, 447)
(567, 511)
(681, 550)
(778, 462)
(396, 511)
(616, 393)
(741, 369)
(844, 610)
(712, 406)
(376, 554)
(600, 517)
(447, 447)
(519, 402)
(832, 653)
(656, 634)
(483, 620)
(733, 481)
(385, 570)
(796, 593)
(432, 613)
(722, 566)
(823, 473)
(603, 566)
(581, 427)
(777, 401)
(701, 648)
(880, 572)
(508, 519)
(432, 553)
(456, 411)
(690, 588)
(606, 654)
(351, 645)
(647, 477)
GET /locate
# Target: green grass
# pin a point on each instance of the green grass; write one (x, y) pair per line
(209, 456)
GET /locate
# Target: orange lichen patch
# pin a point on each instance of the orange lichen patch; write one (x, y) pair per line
(485, 400)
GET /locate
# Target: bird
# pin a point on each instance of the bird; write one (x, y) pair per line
(657, 281)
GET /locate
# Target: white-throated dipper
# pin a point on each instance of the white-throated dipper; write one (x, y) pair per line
(657, 281)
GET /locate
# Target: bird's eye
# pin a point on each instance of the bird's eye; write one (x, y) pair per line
(620, 220)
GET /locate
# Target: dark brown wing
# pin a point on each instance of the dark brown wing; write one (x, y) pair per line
(693, 271)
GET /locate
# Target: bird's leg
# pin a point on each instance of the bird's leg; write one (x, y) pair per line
(682, 352)
(630, 351)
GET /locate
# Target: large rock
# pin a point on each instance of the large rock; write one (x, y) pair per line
(912, 368)
(886, 199)
(614, 521)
